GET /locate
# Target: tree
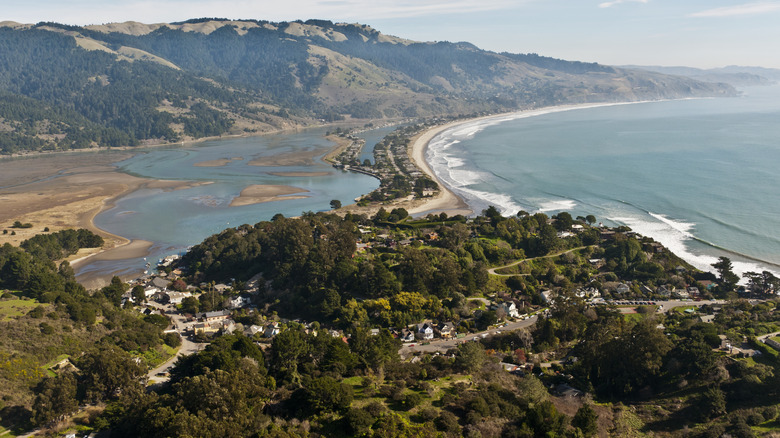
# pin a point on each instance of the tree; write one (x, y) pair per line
(586, 420)
(105, 372)
(139, 296)
(471, 356)
(190, 305)
(712, 403)
(727, 277)
(335, 204)
(326, 394)
(55, 397)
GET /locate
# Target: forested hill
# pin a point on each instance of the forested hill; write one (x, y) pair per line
(64, 87)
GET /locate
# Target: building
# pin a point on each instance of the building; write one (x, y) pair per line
(219, 315)
(425, 331)
(446, 330)
(238, 302)
(509, 308)
(272, 330)
(406, 336)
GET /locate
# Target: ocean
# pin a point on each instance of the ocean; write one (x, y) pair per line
(699, 175)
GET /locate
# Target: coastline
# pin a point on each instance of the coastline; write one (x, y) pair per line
(447, 200)
(114, 184)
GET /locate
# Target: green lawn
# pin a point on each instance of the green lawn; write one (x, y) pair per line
(12, 309)
(682, 309)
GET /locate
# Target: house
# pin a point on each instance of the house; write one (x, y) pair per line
(374, 332)
(680, 293)
(206, 328)
(238, 302)
(406, 336)
(645, 290)
(253, 330)
(219, 315)
(425, 331)
(228, 327)
(160, 283)
(663, 291)
(597, 263)
(149, 291)
(271, 330)
(548, 296)
(446, 330)
(622, 288)
(177, 297)
(509, 308)
(707, 318)
(565, 390)
(693, 291)
(607, 234)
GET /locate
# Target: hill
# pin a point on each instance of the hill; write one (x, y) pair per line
(735, 75)
(131, 83)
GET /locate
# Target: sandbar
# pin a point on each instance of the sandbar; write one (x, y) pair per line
(300, 158)
(299, 174)
(61, 192)
(218, 163)
(256, 194)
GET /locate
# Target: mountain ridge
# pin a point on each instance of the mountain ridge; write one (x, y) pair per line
(152, 83)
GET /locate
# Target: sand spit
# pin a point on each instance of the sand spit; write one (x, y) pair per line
(256, 194)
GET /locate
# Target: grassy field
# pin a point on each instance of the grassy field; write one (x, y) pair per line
(682, 309)
(12, 309)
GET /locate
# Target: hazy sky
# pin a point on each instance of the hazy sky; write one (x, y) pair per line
(698, 33)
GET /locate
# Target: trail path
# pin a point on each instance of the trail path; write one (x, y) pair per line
(517, 262)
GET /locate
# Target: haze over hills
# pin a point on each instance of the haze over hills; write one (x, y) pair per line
(734, 74)
(64, 87)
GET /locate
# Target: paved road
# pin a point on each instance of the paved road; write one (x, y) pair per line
(187, 347)
(442, 345)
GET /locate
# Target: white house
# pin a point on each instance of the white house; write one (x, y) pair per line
(239, 302)
(425, 331)
(510, 309)
(177, 297)
(406, 336)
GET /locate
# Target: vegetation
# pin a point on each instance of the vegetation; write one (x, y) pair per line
(108, 88)
(306, 381)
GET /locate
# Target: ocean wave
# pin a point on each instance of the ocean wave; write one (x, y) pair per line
(675, 234)
(504, 203)
(557, 205)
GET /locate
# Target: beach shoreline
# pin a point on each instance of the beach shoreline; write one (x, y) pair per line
(84, 191)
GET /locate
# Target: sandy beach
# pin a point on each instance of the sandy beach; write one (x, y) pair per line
(445, 201)
(256, 194)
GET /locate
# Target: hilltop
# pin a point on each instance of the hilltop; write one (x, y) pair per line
(124, 84)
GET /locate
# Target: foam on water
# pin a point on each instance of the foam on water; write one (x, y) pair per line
(675, 235)
(557, 205)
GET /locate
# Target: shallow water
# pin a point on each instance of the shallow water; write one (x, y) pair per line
(174, 220)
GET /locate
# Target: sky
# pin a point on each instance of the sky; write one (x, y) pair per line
(694, 33)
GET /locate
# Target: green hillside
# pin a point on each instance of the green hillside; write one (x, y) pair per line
(64, 87)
